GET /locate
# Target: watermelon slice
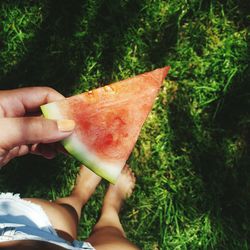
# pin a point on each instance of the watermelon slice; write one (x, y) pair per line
(108, 121)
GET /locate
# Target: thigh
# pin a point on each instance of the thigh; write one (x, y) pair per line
(63, 217)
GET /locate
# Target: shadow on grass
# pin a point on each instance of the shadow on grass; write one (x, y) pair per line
(220, 154)
(161, 41)
(48, 56)
(56, 56)
(25, 175)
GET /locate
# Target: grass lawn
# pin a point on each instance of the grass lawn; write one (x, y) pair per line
(192, 159)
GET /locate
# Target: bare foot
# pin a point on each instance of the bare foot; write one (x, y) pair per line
(86, 183)
(123, 189)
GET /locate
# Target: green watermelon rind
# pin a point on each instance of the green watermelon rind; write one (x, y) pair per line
(72, 145)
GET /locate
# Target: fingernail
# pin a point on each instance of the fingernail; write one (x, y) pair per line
(65, 125)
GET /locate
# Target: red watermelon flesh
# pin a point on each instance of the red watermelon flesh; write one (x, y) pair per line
(108, 121)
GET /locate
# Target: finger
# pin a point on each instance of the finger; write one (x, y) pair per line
(23, 150)
(18, 102)
(10, 155)
(32, 130)
(16, 151)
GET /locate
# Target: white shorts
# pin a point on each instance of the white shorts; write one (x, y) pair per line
(24, 220)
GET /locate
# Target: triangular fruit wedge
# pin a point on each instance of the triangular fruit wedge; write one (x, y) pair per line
(108, 121)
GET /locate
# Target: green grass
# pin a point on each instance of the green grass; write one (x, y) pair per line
(192, 159)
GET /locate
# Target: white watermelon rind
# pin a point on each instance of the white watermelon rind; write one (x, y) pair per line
(107, 170)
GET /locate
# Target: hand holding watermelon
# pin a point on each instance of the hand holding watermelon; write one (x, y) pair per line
(22, 133)
(108, 122)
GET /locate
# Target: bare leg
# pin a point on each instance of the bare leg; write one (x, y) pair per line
(65, 213)
(108, 232)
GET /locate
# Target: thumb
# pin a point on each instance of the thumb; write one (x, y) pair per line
(31, 130)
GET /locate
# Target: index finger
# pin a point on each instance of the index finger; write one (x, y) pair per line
(18, 102)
